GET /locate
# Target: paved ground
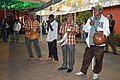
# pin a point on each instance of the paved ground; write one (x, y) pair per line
(14, 64)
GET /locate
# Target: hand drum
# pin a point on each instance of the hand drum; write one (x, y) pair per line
(33, 35)
(99, 38)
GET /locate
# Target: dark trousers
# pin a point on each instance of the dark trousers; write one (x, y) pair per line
(52, 46)
(110, 41)
(36, 45)
(93, 51)
(4, 35)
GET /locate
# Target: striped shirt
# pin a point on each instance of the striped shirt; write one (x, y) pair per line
(71, 37)
(31, 25)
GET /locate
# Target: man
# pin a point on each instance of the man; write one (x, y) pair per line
(96, 23)
(10, 21)
(110, 40)
(52, 38)
(4, 27)
(17, 27)
(32, 25)
(68, 49)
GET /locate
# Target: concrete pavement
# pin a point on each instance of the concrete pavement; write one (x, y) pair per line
(14, 64)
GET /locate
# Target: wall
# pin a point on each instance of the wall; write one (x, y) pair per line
(1, 15)
(115, 11)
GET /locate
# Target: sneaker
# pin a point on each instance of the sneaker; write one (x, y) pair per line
(70, 70)
(61, 68)
(79, 73)
(95, 76)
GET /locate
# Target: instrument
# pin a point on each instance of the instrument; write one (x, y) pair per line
(99, 38)
(33, 34)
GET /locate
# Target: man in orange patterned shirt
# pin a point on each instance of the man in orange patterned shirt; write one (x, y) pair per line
(69, 48)
(32, 26)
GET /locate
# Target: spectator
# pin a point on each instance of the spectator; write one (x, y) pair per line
(83, 33)
(110, 39)
(4, 27)
(17, 27)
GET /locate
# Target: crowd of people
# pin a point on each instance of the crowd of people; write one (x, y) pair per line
(68, 30)
(10, 29)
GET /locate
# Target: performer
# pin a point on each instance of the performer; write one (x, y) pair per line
(68, 49)
(32, 28)
(52, 38)
(98, 22)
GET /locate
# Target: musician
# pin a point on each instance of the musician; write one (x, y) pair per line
(32, 28)
(98, 22)
(52, 38)
(68, 50)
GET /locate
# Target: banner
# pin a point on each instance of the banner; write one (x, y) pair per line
(69, 3)
(80, 2)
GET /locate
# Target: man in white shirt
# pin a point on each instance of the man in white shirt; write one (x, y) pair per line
(52, 38)
(17, 27)
(94, 24)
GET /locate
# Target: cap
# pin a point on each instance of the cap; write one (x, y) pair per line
(97, 7)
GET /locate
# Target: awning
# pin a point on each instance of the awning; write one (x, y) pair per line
(21, 4)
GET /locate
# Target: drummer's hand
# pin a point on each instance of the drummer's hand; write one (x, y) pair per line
(92, 23)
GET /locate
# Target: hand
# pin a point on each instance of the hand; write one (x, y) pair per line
(92, 22)
(52, 29)
(74, 31)
(68, 32)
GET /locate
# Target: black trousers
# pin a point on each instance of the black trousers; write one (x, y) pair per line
(52, 46)
(93, 51)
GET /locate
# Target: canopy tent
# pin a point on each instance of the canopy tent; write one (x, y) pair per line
(21, 4)
(69, 6)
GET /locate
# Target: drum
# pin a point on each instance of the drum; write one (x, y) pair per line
(99, 38)
(33, 35)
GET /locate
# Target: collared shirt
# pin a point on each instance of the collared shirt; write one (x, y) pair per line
(52, 35)
(17, 27)
(71, 37)
(102, 26)
(31, 25)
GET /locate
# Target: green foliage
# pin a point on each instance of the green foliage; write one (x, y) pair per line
(63, 19)
(80, 17)
(83, 16)
(117, 39)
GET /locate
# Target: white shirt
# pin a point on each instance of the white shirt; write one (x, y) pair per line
(52, 35)
(17, 27)
(105, 28)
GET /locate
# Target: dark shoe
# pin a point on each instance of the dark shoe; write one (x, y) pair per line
(61, 68)
(105, 51)
(114, 53)
(69, 70)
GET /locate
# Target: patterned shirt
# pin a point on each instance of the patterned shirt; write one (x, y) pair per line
(71, 37)
(31, 25)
